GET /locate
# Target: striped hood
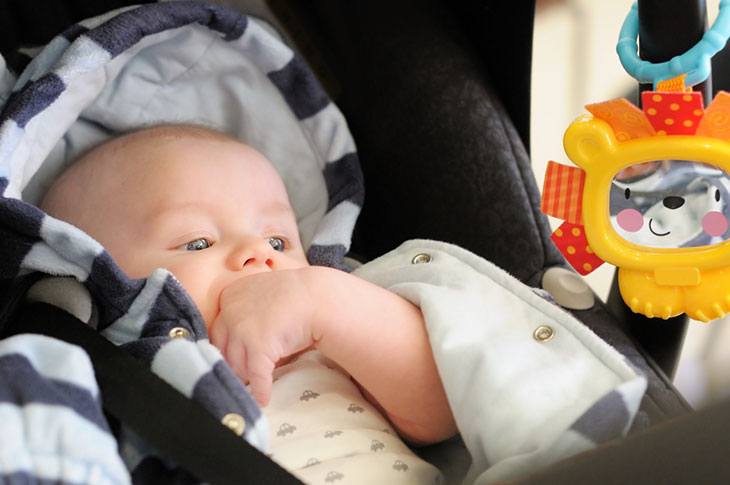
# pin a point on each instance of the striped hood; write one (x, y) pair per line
(171, 62)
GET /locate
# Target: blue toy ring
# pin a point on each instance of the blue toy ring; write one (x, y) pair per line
(695, 62)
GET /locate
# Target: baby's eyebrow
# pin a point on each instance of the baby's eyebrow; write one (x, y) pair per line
(278, 207)
(174, 209)
(279, 213)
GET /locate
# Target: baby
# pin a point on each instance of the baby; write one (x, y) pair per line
(215, 213)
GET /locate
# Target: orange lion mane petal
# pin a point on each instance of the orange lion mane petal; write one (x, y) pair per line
(716, 121)
(626, 120)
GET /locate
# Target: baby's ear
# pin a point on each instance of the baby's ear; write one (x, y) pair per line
(589, 141)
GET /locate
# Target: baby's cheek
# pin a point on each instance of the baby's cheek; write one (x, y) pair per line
(714, 223)
(630, 220)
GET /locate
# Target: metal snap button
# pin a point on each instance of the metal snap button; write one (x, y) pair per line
(543, 333)
(421, 258)
(234, 422)
(179, 332)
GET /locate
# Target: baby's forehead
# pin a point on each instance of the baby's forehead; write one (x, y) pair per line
(140, 154)
(133, 160)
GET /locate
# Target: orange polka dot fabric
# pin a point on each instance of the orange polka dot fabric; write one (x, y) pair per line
(570, 239)
(626, 120)
(673, 113)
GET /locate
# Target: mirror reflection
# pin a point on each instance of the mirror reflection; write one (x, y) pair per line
(671, 204)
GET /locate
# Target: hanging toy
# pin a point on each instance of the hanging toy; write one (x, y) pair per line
(651, 190)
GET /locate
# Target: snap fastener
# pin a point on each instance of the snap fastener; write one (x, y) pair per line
(543, 333)
(421, 258)
(234, 422)
(179, 332)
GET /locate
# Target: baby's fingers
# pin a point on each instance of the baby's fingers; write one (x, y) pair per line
(260, 376)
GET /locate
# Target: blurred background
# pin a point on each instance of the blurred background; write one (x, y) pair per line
(575, 63)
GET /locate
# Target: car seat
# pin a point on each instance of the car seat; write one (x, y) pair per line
(437, 98)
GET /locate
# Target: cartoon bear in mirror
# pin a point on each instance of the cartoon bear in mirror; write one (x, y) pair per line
(670, 204)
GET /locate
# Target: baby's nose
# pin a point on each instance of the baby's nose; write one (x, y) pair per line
(252, 255)
(254, 261)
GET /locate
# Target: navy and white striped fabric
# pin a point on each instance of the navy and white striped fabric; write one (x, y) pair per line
(53, 430)
(170, 62)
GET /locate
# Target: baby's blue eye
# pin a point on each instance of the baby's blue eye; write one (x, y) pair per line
(198, 244)
(277, 243)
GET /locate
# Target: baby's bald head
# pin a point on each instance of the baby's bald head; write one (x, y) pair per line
(89, 177)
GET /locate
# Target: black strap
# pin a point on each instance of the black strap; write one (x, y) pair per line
(180, 428)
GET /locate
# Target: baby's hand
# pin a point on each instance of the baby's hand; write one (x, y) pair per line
(264, 318)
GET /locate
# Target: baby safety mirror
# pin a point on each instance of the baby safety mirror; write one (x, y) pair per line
(650, 195)
(670, 204)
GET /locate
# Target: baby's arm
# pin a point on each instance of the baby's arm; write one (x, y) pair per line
(375, 335)
(381, 340)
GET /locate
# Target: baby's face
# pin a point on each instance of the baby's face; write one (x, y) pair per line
(210, 211)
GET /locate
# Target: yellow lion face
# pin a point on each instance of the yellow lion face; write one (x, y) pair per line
(651, 196)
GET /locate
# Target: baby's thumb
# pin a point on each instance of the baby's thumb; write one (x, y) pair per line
(260, 377)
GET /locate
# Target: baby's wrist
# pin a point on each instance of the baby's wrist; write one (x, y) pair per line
(325, 284)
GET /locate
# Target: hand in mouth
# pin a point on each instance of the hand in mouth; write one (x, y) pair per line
(656, 233)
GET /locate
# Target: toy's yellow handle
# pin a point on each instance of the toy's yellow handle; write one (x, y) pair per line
(705, 301)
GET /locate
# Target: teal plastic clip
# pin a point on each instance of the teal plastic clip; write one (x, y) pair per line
(695, 62)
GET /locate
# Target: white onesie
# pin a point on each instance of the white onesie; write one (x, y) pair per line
(324, 431)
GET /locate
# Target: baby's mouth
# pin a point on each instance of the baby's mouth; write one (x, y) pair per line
(656, 233)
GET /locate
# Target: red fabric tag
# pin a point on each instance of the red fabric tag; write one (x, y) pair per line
(673, 113)
(571, 241)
